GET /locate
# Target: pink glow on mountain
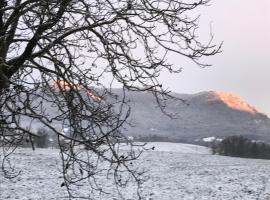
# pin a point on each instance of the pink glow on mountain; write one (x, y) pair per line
(235, 102)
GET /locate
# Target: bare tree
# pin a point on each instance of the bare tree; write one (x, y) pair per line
(68, 54)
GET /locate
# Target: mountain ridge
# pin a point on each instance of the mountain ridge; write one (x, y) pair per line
(207, 114)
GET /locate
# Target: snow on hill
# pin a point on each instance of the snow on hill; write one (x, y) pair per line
(173, 175)
(178, 147)
(169, 147)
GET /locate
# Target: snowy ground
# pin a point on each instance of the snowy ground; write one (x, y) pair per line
(177, 171)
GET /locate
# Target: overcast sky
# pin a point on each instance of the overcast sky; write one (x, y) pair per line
(243, 67)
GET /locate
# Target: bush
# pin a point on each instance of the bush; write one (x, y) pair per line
(42, 141)
(239, 146)
(157, 138)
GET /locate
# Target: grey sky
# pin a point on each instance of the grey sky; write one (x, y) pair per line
(244, 66)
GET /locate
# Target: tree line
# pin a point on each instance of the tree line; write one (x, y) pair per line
(239, 146)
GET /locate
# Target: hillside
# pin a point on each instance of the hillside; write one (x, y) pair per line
(205, 114)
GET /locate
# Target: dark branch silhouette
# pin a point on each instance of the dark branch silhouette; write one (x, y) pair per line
(67, 55)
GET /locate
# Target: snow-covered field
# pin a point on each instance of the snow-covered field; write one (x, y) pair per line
(176, 171)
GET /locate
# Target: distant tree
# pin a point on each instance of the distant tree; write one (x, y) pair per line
(42, 138)
(57, 51)
(240, 146)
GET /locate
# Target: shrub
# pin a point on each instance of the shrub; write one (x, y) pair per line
(42, 140)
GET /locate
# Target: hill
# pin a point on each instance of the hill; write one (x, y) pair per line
(205, 114)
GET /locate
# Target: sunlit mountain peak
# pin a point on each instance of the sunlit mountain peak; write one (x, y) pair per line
(235, 102)
(67, 86)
